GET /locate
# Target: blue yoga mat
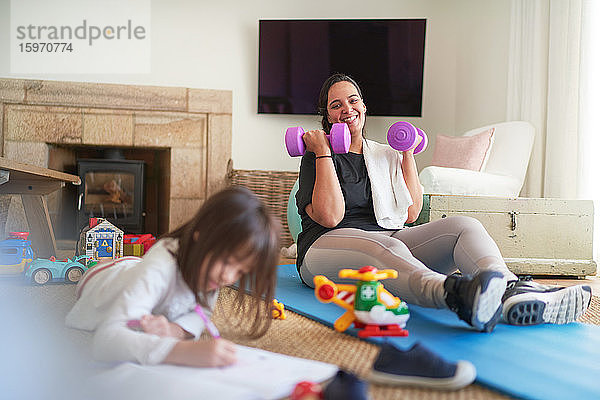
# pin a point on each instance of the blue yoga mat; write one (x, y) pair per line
(533, 362)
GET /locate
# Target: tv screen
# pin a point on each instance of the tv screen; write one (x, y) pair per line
(385, 57)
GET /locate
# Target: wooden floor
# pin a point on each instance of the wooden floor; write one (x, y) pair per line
(592, 281)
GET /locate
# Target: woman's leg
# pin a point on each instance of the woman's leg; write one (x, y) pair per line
(422, 280)
(463, 243)
(355, 248)
(455, 243)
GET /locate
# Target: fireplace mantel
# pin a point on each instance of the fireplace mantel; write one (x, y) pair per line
(194, 125)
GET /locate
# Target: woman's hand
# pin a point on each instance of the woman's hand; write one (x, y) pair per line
(317, 142)
(411, 151)
(159, 325)
(203, 353)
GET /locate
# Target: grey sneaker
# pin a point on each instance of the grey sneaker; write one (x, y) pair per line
(476, 300)
(526, 302)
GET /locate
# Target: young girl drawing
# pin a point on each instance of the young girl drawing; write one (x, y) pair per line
(231, 238)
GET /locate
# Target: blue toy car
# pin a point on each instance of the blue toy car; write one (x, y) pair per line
(15, 253)
(42, 271)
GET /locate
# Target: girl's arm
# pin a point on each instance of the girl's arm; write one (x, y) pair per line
(111, 343)
(159, 325)
(327, 207)
(151, 288)
(411, 177)
(191, 322)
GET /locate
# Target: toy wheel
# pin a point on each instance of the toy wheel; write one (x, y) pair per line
(41, 276)
(340, 138)
(74, 274)
(326, 293)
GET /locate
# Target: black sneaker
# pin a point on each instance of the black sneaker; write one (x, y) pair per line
(418, 366)
(530, 303)
(476, 300)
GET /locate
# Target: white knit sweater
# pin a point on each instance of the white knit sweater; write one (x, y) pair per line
(129, 289)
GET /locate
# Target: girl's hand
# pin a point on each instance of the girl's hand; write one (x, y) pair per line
(159, 325)
(203, 353)
(317, 142)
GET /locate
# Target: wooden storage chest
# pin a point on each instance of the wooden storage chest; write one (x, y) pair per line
(537, 236)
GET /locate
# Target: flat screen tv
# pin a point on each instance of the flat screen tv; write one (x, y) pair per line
(385, 57)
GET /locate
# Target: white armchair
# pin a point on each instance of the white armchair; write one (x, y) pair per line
(502, 175)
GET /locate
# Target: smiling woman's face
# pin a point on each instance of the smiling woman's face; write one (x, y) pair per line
(344, 104)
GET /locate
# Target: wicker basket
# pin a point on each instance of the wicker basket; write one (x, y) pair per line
(272, 187)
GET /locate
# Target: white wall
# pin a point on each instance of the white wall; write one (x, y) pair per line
(482, 63)
(213, 44)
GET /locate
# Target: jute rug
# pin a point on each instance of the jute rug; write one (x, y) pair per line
(301, 337)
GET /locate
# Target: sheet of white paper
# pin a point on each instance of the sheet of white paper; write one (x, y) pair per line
(258, 374)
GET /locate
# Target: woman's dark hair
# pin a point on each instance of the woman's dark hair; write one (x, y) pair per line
(232, 224)
(324, 94)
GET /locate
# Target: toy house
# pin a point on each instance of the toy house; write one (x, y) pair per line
(103, 241)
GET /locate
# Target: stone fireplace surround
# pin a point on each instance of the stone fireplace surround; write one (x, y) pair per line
(43, 122)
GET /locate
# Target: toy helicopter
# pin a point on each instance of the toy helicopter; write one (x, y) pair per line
(368, 304)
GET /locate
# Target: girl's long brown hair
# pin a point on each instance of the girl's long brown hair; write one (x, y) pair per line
(232, 224)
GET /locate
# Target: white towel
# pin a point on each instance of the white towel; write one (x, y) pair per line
(391, 197)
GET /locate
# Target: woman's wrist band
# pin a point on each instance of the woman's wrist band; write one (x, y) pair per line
(328, 156)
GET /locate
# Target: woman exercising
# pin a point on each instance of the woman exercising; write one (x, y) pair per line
(353, 208)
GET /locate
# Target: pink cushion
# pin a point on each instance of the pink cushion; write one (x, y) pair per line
(464, 152)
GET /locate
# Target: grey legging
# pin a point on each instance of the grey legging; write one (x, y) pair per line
(423, 255)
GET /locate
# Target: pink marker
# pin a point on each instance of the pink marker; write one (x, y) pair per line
(210, 327)
(134, 324)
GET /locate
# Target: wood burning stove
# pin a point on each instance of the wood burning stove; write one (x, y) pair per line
(113, 189)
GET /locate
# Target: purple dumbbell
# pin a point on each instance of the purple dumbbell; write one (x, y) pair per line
(339, 137)
(404, 136)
